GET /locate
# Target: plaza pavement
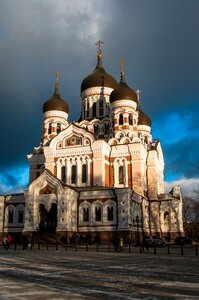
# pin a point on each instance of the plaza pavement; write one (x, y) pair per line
(41, 274)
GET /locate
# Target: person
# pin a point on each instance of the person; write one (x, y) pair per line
(9, 240)
(5, 243)
(121, 244)
(144, 242)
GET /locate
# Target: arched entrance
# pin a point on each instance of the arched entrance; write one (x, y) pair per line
(48, 219)
(52, 218)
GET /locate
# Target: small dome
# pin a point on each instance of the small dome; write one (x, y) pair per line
(56, 102)
(123, 91)
(143, 119)
(99, 77)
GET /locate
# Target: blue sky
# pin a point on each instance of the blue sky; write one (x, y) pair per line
(160, 44)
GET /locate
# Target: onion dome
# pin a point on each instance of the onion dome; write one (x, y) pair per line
(123, 91)
(99, 77)
(56, 102)
(143, 119)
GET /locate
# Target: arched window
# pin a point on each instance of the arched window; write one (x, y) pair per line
(94, 109)
(98, 214)
(101, 107)
(130, 120)
(106, 128)
(50, 128)
(166, 215)
(63, 173)
(110, 213)
(85, 214)
(121, 174)
(73, 174)
(84, 173)
(20, 216)
(121, 120)
(87, 109)
(146, 139)
(58, 128)
(10, 216)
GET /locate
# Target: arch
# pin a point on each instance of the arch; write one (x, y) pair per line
(58, 128)
(101, 107)
(120, 165)
(97, 211)
(125, 140)
(50, 128)
(130, 119)
(109, 209)
(47, 219)
(119, 134)
(85, 212)
(20, 209)
(46, 178)
(10, 214)
(113, 142)
(121, 120)
(94, 109)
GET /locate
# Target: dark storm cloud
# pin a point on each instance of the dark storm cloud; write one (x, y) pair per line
(158, 39)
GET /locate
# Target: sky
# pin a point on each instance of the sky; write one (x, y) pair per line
(159, 41)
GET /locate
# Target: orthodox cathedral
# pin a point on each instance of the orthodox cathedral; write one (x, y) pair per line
(100, 177)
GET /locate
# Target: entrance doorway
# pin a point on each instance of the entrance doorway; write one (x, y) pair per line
(48, 219)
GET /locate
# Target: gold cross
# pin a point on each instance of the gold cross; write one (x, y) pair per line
(99, 43)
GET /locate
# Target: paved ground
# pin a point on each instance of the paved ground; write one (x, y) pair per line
(90, 275)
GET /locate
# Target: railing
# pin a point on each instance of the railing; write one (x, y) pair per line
(168, 249)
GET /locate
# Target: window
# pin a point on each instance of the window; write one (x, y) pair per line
(94, 109)
(63, 174)
(20, 216)
(121, 120)
(74, 174)
(58, 127)
(11, 217)
(130, 120)
(84, 173)
(50, 129)
(98, 214)
(85, 214)
(121, 174)
(106, 128)
(87, 109)
(110, 213)
(96, 129)
(101, 107)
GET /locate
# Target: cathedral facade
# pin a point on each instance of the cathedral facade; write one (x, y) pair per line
(101, 177)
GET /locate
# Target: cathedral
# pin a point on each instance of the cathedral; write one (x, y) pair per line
(100, 177)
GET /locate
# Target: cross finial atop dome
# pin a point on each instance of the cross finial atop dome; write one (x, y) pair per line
(122, 62)
(57, 77)
(99, 52)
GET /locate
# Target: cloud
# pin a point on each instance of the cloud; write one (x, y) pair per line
(157, 39)
(187, 185)
(14, 180)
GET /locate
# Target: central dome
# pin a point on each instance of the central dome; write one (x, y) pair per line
(99, 77)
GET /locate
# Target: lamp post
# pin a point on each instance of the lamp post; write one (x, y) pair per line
(137, 222)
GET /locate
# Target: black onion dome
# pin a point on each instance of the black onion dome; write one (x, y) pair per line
(56, 102)
(143, 119)
(99, 77)
(123, 91)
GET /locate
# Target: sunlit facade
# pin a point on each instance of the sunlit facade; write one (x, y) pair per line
(100, 177)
